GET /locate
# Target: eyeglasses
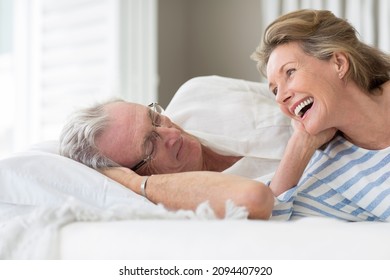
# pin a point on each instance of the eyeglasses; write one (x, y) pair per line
(155, 113)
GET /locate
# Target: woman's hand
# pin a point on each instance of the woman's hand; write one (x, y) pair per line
(313, 141)
(300, 148)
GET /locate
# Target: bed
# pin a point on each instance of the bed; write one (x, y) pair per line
(54, 208)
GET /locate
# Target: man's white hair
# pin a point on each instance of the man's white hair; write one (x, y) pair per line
(78, 136)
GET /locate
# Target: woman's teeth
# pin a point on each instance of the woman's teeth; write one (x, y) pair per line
(305, 105)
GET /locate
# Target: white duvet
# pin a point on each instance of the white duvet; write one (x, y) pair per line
(34, 233)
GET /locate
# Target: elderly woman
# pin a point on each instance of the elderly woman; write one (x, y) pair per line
(324, 78)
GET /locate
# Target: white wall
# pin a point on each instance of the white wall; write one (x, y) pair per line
(173, 47)
(206, 37)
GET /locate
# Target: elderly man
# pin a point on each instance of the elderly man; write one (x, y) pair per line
(216, 136)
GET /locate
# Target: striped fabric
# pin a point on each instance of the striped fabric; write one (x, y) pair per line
(343, 181)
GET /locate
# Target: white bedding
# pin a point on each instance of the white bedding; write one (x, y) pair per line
(305, 239)
(41, 192)
(52, 207)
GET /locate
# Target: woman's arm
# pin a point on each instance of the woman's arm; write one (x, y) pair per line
(300, 148)
(187, 190)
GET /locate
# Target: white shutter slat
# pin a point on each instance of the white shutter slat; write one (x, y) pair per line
(88, 34)
(66, 5)
(82, 54)
(89, 73)
(79, 16)
(61, 93)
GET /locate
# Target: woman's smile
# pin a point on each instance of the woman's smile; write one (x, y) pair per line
(302, 107)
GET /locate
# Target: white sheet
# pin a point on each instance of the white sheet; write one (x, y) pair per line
(305, 239)
(33, 233)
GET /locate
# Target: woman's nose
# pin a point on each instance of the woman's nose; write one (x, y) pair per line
(283, 95)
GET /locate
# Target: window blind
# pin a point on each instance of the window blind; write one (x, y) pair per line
(73, 53)
(79, 58)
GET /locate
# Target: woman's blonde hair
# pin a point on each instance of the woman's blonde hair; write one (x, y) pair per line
(320, 34)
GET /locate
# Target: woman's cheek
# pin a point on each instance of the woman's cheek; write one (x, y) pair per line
(286, 111)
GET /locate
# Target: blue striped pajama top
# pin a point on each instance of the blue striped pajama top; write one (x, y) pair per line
(344, 182)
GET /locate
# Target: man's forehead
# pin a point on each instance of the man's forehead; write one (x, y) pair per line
(122, 137)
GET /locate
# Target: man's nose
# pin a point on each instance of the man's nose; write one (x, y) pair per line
(168, 135)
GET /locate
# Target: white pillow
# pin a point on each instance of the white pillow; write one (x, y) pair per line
(37, 178)
(241, 116)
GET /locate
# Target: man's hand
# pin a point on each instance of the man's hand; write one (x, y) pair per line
(124, 176)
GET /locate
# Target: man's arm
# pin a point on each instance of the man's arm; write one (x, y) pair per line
(187, 190)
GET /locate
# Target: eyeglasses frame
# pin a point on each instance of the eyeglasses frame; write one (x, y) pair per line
(153, 106)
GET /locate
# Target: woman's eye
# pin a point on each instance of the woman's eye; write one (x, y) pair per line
(275, 91)
(290, 71)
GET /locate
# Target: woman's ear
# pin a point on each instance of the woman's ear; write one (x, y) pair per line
(341, 63)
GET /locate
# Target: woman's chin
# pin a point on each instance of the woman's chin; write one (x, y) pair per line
(311, 129)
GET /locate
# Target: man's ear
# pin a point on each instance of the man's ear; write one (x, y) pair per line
(341, 63)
